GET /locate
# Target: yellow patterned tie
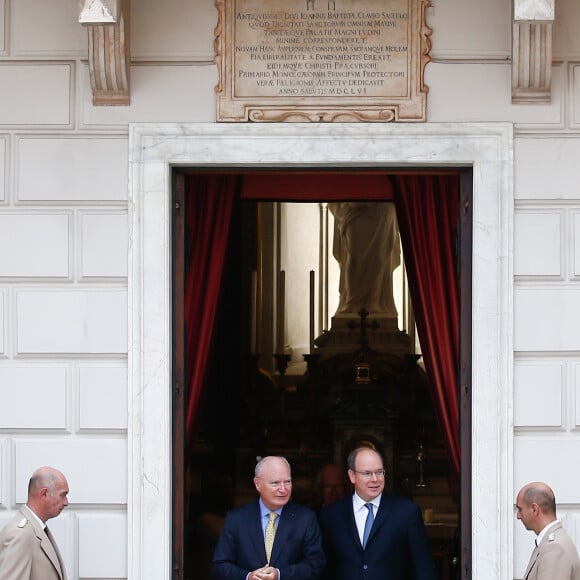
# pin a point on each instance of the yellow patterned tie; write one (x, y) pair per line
(270, 535)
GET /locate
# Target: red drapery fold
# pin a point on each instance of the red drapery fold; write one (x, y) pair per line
(208, 215)
(427, 211)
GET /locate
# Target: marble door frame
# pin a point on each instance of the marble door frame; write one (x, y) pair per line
(155, 149)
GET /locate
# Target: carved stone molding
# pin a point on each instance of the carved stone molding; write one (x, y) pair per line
(532, 51)
(109, 53)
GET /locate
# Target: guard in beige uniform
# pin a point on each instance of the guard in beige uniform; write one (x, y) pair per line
(27, 548)
(555, 556)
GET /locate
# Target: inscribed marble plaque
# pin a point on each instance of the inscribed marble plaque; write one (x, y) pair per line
(322, 60)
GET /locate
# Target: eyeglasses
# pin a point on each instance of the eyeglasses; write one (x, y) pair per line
(279, 484)
(368, 474)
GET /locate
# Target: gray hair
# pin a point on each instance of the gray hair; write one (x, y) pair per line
(267, 459)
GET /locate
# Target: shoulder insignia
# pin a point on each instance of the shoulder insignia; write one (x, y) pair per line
(22, 522)
(551, 537)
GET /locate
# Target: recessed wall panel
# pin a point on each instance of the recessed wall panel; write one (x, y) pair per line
(104, 245)
(102, 397)
(538, 394)
(34, 245)
(3, 478)
(549, 459)
(33, 397)
(47, 28)
(3, 47)
(154, 98)
(546, 319)
(545, 168)
(96, 468)
(576, 387)
(191, 23)
(102, 545)
(454, 35)
(72, 169)
(35, 94)
(3, 165)
(537, 243)
(456, 89)
(3, 330)
(72, 322)
(576, 245)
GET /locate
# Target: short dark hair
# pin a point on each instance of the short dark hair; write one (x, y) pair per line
(351, 459)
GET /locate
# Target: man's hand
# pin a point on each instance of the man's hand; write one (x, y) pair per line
(264, 573)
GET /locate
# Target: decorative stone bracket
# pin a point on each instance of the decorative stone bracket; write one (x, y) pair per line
(108, 25)
(532, 51)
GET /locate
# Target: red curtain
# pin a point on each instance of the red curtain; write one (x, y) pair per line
(208, 214)
(427, 211)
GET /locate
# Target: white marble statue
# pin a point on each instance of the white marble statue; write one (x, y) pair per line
(366, 246)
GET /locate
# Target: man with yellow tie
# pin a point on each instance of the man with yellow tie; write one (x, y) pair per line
(28, 550)
(272, 538)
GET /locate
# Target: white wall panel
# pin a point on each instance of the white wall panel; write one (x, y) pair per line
(96, 468)
(102, 397)
(62, 529)
(33, 397)
(72, 322)
(154, 97)
(102, 545)
(575, 238)
(34, 244)
(3, 165)
(3, 478)
(47, 28)
(3, 47)
(574, 71)
(191, 24)
(523, 546)
(73, 169)
(456, 89)
(454, 34)
(549, 459)
(35, 94)
(547, 167)
(537, 243)
(3, 319)
(576, 391)
(538, 389)
(546, 319)
(104, 241)
(566, 30)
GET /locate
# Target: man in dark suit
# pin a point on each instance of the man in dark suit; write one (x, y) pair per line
(28, 550)
(270, 538)
(372, 535)
(555, 557)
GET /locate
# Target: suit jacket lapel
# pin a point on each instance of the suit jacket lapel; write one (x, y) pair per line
(256, 533)
(285, 525)
(45, 544)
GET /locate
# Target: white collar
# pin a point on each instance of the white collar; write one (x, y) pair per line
(544, 531)
(41, 523)
(358, 503)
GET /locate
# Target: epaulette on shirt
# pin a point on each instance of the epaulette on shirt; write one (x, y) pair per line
(22, 523)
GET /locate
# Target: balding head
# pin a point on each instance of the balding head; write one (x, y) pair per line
(47, 492)
(536, 506)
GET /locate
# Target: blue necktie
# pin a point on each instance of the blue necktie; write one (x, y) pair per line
(368, 524)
